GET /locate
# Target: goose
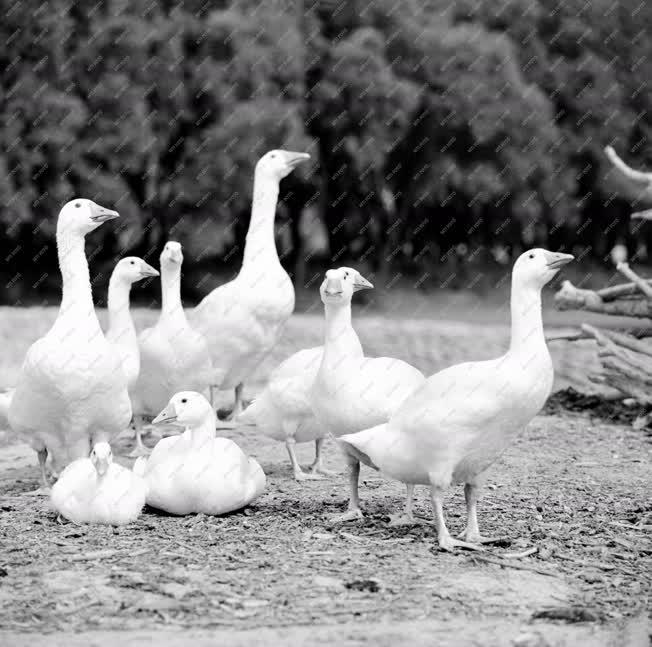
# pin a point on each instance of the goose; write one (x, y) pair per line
(173, 355)
(637, 184)
(122, 332)
(197, 472)
(5, 400)
(71, 391)
(243, 320)
(351, 392)
(458, 423)
(96, 490)
(282, 410)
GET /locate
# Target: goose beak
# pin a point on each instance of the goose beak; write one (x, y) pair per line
(148, 270)
(555, 260)
(294, 159)
(169, 414)
(361, 283)
(333, 287)
(102, 214)
(102, 466)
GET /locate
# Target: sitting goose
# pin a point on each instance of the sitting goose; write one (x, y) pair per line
(71, 392)
(243, 320)
(352, 392)
(97, 490)
(282, 410)
(197, 472)
(459, 422)
(173, 355)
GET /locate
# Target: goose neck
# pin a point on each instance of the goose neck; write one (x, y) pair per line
(205, 431)
(527, 321)
(77, 296)
(171, 291)
(120, 320)
(260, 247)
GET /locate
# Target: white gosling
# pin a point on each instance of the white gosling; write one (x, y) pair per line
(352, 392)
(71, 392)
(463, 418)
(197, 472)
(243, 320)
(97, 490)
(282, 410)
(173, 355)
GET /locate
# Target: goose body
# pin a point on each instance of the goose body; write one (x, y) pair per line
(173, 355)
(71, 392)
(96, 490)
(197, 472)
(243, 320)
(459, 422)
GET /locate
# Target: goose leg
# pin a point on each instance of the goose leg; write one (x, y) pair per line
(299, 474)
(44, 490)
(139, 449)
(353, 512)
(472, 532)
(406, 518)
(238, 406)
(446, 542)
(317, 467)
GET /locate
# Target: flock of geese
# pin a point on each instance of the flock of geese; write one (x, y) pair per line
(80, 387)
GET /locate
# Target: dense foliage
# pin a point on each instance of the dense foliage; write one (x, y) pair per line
(441, 131)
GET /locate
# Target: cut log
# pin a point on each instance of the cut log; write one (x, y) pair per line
(627, 340)
(640, 283)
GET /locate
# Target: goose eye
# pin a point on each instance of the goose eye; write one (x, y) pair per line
(184, 400)
(77, 205)
(133, 262)
(531, 256)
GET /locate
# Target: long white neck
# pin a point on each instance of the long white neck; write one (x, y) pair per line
(171, 308)
(204, 431)
(527, 322)
(121, 325)
(77, 297)
(340, 339)
(260, 247)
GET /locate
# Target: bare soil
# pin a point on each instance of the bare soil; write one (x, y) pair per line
(572, 496)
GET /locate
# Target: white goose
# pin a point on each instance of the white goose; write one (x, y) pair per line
(282, 410)
(122, 332)
(71, 392)
(243, 320)
(197, 472)
(351, 392)
(173, 355)
(463, 418)
(97, 490)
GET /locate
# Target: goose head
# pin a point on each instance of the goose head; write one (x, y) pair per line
(187, 408)
(81, 216)
(171, 256)
(101, 457)
(132, 269)
(536, 267)
(277, 164)
(340, 284)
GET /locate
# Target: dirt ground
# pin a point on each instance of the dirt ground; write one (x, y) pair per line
(572, 496)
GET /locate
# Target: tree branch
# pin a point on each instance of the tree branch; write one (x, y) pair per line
(641, 284)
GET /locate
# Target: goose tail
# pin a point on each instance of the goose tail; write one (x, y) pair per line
(358, 445)
(258, 479)
(5, 403)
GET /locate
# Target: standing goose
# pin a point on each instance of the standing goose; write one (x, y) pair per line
(173, 355)
(351, 392)
(463, 418)
(71, 392)
(282, 410)
(122, 332)
(243, 320)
